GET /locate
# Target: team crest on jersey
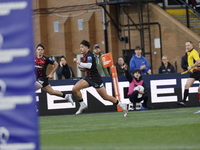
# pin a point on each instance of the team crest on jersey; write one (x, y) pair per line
(50, 59)
(89, 58)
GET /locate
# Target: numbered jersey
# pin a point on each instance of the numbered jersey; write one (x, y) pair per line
(41, 66)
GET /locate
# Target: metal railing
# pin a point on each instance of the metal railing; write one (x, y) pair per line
(186, 14)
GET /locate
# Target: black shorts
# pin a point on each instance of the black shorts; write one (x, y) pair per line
(195, 75)
(43, 81)
(95, 82)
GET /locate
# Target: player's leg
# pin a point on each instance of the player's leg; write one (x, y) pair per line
(102, 92)
(51, 91)
(77, 92)
(38, 85)
(188, 84)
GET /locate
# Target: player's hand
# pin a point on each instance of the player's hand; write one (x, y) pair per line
(50, 76)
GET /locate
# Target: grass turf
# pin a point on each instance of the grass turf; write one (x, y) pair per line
(167, 129)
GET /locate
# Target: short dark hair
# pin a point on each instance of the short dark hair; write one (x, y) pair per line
(137, 48)
(85, 43)
(137, 70)
(39, 45)
(62, 57)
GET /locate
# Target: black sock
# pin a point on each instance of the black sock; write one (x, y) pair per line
(186, 91)
(81, 100)
(63, 95)
(117, 102)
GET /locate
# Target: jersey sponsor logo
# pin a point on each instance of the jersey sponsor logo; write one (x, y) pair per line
(50, 59)
(38, 66)
(89, 58)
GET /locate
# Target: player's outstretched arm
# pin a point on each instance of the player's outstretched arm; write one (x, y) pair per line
(55, 66)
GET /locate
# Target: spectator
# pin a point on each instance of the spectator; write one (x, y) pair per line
(120, 66)
(64, 71)
(97, 54)
(166, 67)
(137, 90)
(184, 62)
(139, 62)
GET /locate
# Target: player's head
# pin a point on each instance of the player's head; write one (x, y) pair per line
(137, 73)
(40, 45)
(189, 45)
(84, 46)
(39, 50)
(85, 43)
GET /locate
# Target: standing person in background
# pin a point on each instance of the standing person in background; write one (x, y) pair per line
(120, 66)
(64, 71)
(184, 62)
(166, 67)
(139, 62)
(193, 55)
(92, 78)
(97, 54)
(41, 63)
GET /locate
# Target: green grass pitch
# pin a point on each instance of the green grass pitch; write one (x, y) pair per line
(166, 129)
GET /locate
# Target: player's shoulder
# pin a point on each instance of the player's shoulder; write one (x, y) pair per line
(48, 58)
(89, 54)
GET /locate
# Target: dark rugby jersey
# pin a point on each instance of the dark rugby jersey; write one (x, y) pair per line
(41, 65)
(92, 72)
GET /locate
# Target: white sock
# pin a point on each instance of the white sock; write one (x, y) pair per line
(81, 103)
(119, 103)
